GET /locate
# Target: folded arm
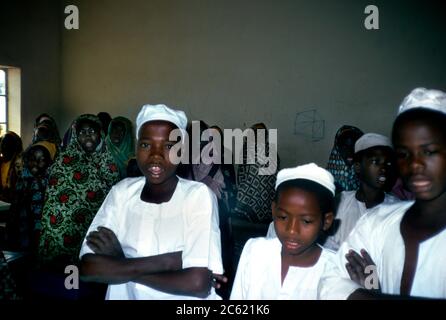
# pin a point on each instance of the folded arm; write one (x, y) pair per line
(114, 270)
(162, 272)
(196, 282)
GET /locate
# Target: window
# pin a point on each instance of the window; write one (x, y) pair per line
(10, 97)
(3, 101)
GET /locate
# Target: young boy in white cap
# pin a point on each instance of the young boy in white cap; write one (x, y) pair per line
(288, 267)
(156, 236)
(403, 243)
(374, 166)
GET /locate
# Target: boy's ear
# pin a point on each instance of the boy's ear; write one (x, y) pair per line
(273, 208)
(357, 167)
(328, 221)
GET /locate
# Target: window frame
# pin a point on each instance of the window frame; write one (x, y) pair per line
(5, 70)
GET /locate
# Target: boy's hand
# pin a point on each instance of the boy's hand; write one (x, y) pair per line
(356, 266)
(218, 280)
(105, 242)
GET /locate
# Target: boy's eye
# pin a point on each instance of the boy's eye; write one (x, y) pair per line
(280, 217)
(402, 154)
(306, 221)
(429, 152)
(143, 145)
(169, 146)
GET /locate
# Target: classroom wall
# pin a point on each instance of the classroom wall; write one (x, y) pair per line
(30, 40)
(235, 63)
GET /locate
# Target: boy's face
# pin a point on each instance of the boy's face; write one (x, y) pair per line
(421, 158)
(38, 162)
(88, 135)
(298, 220)
(375, 167)
(152, 152)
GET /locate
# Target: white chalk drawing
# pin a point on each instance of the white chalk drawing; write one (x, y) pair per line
(309, 124)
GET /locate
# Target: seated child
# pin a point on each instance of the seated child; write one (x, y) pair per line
(373, 163)
(403, 242)
(289, 266)
(156, 236)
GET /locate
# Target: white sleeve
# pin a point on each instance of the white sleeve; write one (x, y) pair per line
(271, 231)
(331, 244)
(335, 282)
(105, 217)
(240, 287)
(202, 243)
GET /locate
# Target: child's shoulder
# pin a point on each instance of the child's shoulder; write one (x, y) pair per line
(189, 186)
(346, 196)
(261, 245)
(390, 199)
(130, 184)
(385, 215)
(326, 253)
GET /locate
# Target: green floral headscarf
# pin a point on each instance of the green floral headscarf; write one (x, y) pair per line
(126, 149)
(77, 186)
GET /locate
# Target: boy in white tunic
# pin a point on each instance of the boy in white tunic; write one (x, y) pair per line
(157, 236)
(374, 166)
(402, 245)
(289, 266)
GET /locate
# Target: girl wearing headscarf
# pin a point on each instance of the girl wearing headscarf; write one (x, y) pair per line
(340, 163)
(10, 165)
(120, 143)
(255, 192)
(79, 180)
(26, 210)
(203, 169)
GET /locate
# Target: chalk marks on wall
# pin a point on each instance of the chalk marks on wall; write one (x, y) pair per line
(309, 124)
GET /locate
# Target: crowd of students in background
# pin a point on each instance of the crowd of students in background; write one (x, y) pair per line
(380, 201)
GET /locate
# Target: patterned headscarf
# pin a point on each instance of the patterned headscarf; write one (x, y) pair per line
(77, 186)
(30, 197)
(256, 192)
(126, 149)
(344, 174)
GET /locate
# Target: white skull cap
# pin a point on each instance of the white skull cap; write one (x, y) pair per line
(424, 98)
(309, 171)
(160, 112)
(370, 140)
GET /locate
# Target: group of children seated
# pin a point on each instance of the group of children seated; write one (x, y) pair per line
(336, 233)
